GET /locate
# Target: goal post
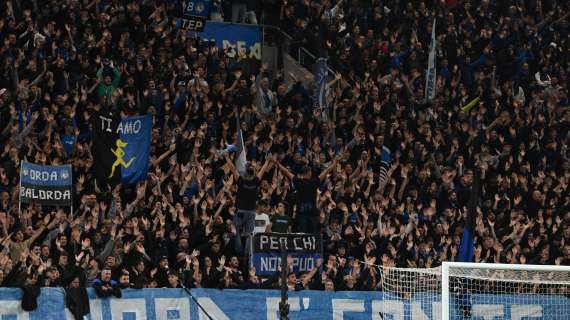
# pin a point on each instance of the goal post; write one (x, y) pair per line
(504, 291)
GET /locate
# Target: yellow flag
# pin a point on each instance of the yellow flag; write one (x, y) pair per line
(471, 104)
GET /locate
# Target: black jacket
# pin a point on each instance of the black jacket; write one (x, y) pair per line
(30, 297)
(77, 301)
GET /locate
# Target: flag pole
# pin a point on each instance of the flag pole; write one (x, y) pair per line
(241, 157)
(71, 177)
(20, 190)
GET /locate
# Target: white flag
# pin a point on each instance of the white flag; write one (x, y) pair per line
(241, 158)
(431, 72)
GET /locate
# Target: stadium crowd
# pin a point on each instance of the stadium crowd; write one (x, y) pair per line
(62, 61)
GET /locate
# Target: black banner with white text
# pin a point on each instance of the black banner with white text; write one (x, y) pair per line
(305, 249)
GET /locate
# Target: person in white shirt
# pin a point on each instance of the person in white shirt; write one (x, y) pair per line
(261, 218)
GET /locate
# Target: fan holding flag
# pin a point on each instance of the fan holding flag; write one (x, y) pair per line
(248, 183)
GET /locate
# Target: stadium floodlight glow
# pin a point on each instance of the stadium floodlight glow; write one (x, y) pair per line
(506, 291)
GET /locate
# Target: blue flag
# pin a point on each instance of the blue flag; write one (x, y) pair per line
(121, 148)
(320, 94)
(467, 248)
(49, 185)
(385, 160)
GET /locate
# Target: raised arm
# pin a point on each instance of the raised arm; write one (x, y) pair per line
(233, 168)
(264, 168)
(164, 155)
(107, 250)
(337, 77)
(325, 172)
(284, 170)
(38, 232)
(312, 273)
(51, 235)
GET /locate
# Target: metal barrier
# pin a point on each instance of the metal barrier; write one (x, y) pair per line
(274, 36)
(285, 44)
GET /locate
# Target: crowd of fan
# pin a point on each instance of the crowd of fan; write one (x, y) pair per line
(63, 60)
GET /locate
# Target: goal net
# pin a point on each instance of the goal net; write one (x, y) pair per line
(503, 291)
(475, 291)
(406, 293)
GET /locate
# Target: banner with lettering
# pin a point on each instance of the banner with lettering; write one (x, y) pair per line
(176, 304)
(235, 39)
(305, 249)
(49, 185)
(195, 15)
(121, 148)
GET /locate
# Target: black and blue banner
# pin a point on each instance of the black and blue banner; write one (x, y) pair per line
(121, 148)
(195, 15)
(305, 249)
(46, 185)
(320, 94)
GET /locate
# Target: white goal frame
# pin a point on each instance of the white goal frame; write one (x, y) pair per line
(445, 293)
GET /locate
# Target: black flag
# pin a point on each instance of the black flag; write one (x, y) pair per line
(121, 148)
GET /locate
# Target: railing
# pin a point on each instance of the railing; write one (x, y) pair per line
(273, 35)
(285, 43)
